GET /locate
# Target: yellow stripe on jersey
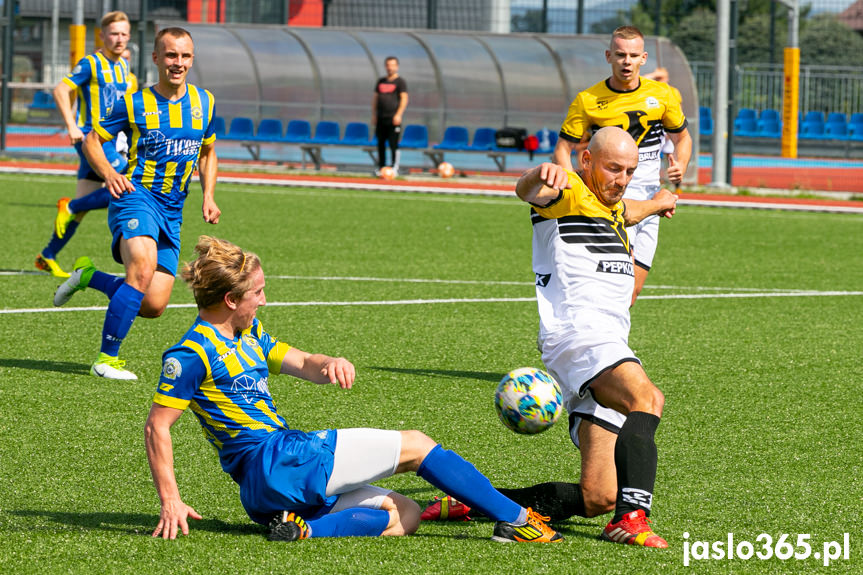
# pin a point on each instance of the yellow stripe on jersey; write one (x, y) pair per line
(277, 356)
(175, 114)
(262, 405)
(195, 106)
(149, 174)
(198, 410)
(187, 173)
(170, 172)
(229, 359)
(95, 98)
(230, 409)
(210, 108)
(151, 109)
(169, 401)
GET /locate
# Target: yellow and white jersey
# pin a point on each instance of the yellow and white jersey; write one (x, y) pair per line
(645, 112)
(582, 262)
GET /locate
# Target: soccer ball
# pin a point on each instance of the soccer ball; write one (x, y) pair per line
(387, 173)
(445, 170)
(528, 400)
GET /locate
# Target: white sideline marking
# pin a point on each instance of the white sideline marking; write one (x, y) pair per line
(461, 300)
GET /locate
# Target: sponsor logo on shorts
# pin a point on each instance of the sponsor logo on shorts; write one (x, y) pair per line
(172, 368)
(132, 224)
(615, 267)
(542, 279)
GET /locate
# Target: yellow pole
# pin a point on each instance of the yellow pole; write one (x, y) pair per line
(97, 38)
(790, 98)
(77, 43)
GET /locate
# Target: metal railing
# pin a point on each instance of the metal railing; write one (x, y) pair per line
(759, 86)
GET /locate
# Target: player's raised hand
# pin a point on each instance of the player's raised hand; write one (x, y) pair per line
(340, 372)
(553, 176)
(173, 518)
(675, 170)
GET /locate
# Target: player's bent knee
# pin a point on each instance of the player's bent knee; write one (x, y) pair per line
(416, 445)
(404, 515)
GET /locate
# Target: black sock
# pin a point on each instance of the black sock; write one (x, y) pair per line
(635, 458)
(556, 499)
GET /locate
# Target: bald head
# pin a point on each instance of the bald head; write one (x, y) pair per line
(609, 162)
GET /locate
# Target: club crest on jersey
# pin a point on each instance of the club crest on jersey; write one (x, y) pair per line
(132, 224)
(651, 102)
(172, 368)
(197, 113)
(76, 69)
(615, 267)
(602, 104)
(251, 341)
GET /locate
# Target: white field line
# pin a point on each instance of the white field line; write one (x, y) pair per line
(462, 300)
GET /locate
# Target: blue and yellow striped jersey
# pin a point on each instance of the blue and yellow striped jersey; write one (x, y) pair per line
(225, 383)
(165, 139)
(100, 84)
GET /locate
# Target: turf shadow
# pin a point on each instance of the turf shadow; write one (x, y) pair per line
(483, 375)
(46, 365)
(130, 523)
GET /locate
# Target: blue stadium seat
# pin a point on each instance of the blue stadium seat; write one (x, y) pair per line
(836, 118)
(356, 134)
(241, 128)
(705, 126)
(552, 142)
(219, 127)
(298, 132)
(812, 130)
(269, 130)
(770, 115)
(704, 111)
(856, 119)
(813, 117)
(415, 136)
(769, 129)
(483, 139)
(454, 138)
(746, 127)
(855, 130)
(746, 114)
(836, 130)
(327, 133)
(43, 101)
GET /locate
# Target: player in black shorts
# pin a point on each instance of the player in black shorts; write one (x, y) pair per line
(388, 106)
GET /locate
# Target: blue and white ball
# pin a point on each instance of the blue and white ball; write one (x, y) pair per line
(528, 400)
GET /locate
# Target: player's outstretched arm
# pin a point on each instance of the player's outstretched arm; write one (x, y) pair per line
(208, 166)
(663, 204)
(542, 184)
(174, 513)
(116, 183)
(319, 368)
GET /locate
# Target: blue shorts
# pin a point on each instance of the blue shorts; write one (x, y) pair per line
(139, 214)
(117, 160)
(289, 470)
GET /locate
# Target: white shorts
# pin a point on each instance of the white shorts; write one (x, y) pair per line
(363, 456)
(575, 360)
(644, 236)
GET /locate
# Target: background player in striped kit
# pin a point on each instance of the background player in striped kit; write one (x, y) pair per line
(98, 83)
(171, 133)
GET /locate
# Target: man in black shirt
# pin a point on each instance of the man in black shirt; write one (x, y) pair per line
(388, 106)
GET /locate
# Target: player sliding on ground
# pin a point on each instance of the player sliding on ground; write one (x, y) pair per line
(300, 484)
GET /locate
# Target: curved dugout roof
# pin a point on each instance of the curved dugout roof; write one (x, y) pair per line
(469, 79)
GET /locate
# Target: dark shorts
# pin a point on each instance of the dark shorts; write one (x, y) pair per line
(138, 214)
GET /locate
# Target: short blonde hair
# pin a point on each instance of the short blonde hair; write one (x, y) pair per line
(220, 268)
(627, 33)
(111, 17)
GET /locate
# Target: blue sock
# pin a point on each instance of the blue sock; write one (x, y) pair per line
(95, 200)
(354, 522)
(105, 283)
(56, 244)
(449, 471)
(121, 313)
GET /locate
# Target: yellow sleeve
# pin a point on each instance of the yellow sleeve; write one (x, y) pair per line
(576, 121)
(673, 120)
(568, 201)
